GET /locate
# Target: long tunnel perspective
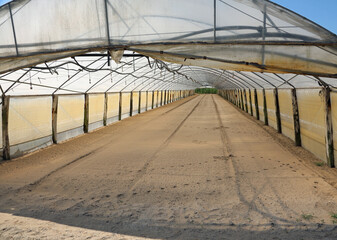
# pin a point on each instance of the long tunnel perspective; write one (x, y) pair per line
(78, 79)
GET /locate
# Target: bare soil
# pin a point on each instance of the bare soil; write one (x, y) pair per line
(198, 168)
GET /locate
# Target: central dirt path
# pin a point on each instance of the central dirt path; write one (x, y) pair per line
(195, 169)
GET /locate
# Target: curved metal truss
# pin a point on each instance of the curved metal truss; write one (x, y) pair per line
(236, 35)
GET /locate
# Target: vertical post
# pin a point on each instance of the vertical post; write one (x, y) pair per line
(86, 113)
(165, 97)
(265, 109)
(147, 100)
(120, 106)
(242, 102)
(245, 93)
(277, 111)
(131, 103)
(157, 98)
(161, 98)
(5, 138)
(107, 21)
(13, 28)
(264, 31)
(54, 117)
(256, 105)
(251, 104)
(105, 113)
(329, 128)
(214, 27)
(140, 102)
(296, 118)
(152, 99)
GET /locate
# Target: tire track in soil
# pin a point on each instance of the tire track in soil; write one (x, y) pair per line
(34, 184)
(229, 156)
(143, 171)
(282, 204)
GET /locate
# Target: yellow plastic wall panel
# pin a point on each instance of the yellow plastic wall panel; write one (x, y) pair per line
(271, 108)
(312, 121)
(135, 101)
(126, 103)
(143, 100)
(29, 118)
(167, 96)
(113, 105)
(334, 119)
(286, 110)
(70, 113)
(149, 100)
(260, 103)
(96, 107)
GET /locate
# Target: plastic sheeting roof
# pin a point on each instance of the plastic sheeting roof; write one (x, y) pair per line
(224, 40)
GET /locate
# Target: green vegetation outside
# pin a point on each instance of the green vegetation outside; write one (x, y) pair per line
(206, 90)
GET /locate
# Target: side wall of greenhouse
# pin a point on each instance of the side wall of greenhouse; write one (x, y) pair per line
(313, 111)
(35, 122)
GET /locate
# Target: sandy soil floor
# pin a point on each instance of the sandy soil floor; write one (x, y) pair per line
(195, 169)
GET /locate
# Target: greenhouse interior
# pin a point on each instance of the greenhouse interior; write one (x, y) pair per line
(83, 64)
(167, 119)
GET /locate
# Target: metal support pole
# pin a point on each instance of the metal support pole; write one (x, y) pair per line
(251, 104)
(296, 118)
(277, 111)
(13, 28)
(139, 102)
(157, 98)
(107, 21)
(214, 28)
(329, 128)
(86, 113)
(105, 113)
(120, 106)
(147, 100)
(242, 103)
(256, 105)
(245, 92)
(5, 137)
(265, 109)
(54, 117)
(131, 103)
(152, 99)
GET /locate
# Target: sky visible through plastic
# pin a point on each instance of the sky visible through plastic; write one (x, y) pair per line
(322, 12)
